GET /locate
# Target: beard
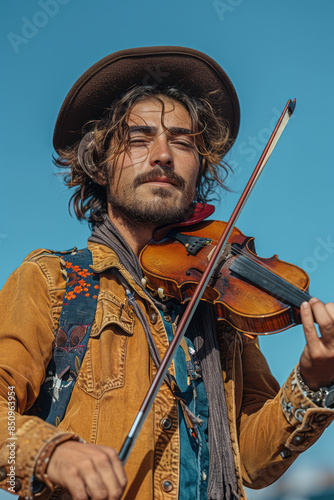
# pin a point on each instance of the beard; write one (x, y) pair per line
(160, 207)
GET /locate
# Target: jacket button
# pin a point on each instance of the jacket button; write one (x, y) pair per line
(17, 485)
(299, 439)
(3, 473)
(286, 453)
(153, 318)
(167, 486)
(166, 423)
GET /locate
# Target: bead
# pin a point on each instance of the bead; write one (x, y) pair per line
(298, 439)
(320, 418)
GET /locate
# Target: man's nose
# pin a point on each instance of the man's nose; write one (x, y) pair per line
(160, 153)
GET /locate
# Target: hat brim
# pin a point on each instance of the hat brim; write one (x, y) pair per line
(112, 76)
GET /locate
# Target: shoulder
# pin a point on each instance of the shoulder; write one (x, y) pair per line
(48, 259)
(45, 265)
(41, 261)
(45, 254)
(37, 283)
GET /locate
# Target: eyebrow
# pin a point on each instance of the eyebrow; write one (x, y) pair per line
(153, 130)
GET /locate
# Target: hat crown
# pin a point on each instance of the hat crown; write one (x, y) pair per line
(109, 78)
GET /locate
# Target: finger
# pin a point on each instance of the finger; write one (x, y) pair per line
(330, 309)
(118, 466)
(310, 331)
(112, 472)
(323, 318)
(74, 483)
(88, 475)
(94, 484)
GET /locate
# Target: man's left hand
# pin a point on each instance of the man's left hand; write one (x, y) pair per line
(317, 359)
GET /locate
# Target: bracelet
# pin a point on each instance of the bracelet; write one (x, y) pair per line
(323, 397)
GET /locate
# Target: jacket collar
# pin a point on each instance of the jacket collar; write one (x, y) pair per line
(105, 258)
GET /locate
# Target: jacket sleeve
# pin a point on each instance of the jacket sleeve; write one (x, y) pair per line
(275, 424)
(26, 336)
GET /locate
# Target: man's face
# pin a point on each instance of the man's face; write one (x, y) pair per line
(155, 180)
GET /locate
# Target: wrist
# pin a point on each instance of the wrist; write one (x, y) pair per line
(42, 462)
(322, 397)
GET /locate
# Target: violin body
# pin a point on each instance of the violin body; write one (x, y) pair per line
(254, 295)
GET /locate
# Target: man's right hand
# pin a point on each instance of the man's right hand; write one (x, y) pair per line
(87, 471)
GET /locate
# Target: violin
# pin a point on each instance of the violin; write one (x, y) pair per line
(256, 296)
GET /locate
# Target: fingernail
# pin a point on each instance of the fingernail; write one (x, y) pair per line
(313, 300)
(305, 305)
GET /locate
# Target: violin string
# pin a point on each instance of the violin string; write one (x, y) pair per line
(240, 251)
(272, 283)
(266, 279)
(266, 272)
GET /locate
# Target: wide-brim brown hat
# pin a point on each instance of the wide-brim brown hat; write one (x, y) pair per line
(112, 76)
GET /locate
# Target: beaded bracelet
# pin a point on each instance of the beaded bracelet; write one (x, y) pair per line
(323, 397)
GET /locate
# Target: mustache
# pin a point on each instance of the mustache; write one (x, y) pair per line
(159, 172)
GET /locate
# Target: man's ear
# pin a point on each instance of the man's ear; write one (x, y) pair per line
(100, 178)
(86, 159)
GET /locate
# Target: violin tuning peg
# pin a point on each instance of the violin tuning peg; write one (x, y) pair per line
(144, 282)
(161, 293)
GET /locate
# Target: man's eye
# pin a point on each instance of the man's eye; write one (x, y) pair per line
(184, 143)
(138, 141)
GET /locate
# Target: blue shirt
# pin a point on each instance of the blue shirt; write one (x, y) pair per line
(194, 452)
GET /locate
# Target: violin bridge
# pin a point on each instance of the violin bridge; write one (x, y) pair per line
(224, 255)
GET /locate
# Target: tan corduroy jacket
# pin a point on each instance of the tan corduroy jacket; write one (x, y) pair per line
(269, 427)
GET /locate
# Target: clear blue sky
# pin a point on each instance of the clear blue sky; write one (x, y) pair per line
(271, 50)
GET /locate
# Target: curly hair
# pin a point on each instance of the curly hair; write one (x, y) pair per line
(212, 141)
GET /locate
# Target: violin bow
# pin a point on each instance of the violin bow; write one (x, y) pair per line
(195, 299)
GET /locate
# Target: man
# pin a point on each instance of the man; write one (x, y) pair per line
(140, 156)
